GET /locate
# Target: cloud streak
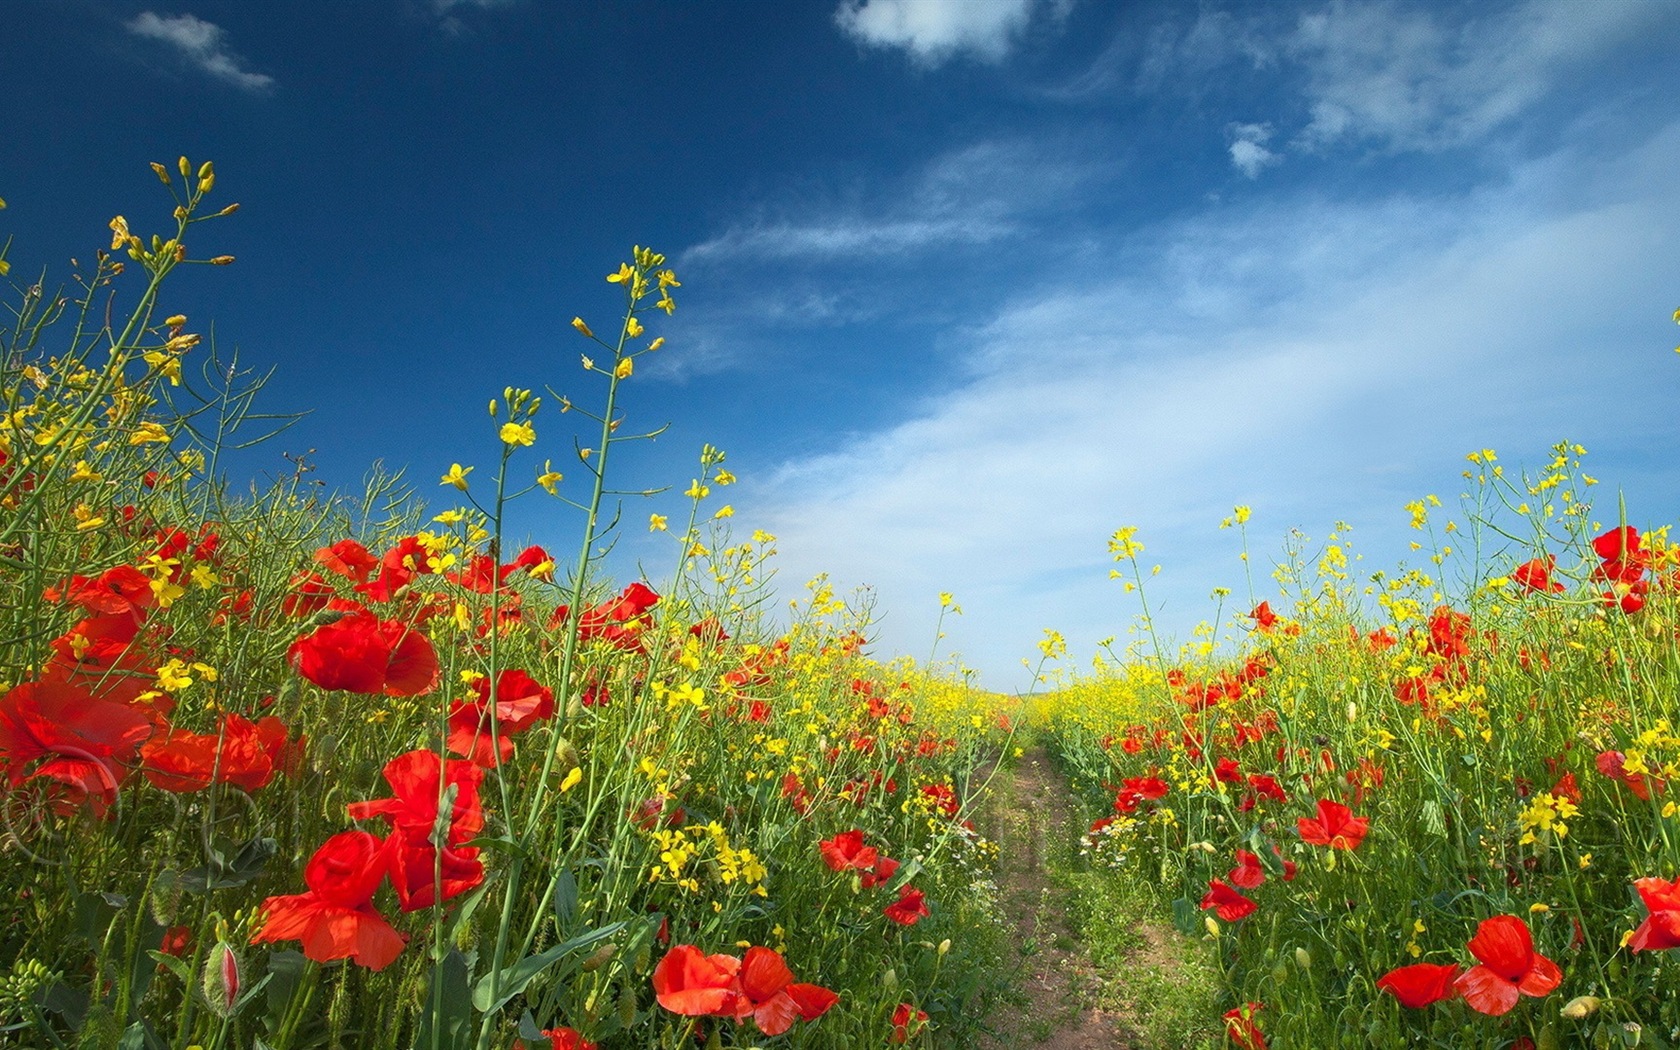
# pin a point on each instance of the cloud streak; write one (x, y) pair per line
(934, 31)
(1317, 361)
(203, 45)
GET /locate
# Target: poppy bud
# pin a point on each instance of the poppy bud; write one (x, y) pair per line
(221, 979)
(1580, 1007)
(599, 958)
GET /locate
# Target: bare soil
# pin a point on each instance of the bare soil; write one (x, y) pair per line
(1031, 815)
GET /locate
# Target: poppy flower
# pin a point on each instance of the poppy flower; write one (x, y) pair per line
(909, 909)
(1510, 967)
(1226, 902)
(520, 701)
(360, 653)
(86, 742)
(846, 850)
(348, 559)
(770, 996)
(1536, 575)
(883, 872)
(906, 1022)
(564, 1039)
(424, 875)
(120, 591)
(1661, 928)
(1335, 827)
(336, 918)
(1263, 616)
(415, 784)
(689, 982)
(1419, 985)
(1248, 873)
(1618, 544)
(1241, 1029)
(244, 753)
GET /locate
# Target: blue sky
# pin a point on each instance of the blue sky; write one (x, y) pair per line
(967, 285)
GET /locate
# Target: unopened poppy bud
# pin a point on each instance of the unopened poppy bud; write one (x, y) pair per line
(1303, 958)
(627, 1004)
(945, 946)
(599, 958)
(1582, 1006)
(889, 980)
(221, 979)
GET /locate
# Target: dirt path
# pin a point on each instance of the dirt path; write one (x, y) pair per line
(1031, 818)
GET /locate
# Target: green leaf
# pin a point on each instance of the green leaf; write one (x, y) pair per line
(565, 900)
(446, 1017)
(520, 974)
(250, 861)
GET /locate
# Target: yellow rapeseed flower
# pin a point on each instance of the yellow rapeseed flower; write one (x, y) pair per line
(518, 434)
(457, 475)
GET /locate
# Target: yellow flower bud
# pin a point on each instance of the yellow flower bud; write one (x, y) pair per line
(577, 322)
(625, 367)
(185, 166)
(162, 172)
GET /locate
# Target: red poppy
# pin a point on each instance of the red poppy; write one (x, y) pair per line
(1248, 873)
(906, 1022)
(122, 590)
(1263, 616)
(691, 983)
(1241, 1029)
(348, 559)
(361, 653)
(86, 742)
(1536, 575)
(336, 919)
(1618, 544)
(1226, 902)
(910, 908)
(1613, 765)
(1509, 967)
(564, 1039)
(1419, 985)
(1335, 827)
(244, 753)
(884, 870)
(417, 784)
(770, 996)
(846, 850)
(1661, 928)
(520, 701)
(424, 875)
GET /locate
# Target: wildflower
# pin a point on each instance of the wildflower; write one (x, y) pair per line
(518, 434)
(564, 1039)
(84, 740)
(1227, 903)
(1419, 985)
(1536, 575)
(1661, 928)
(429, 860)
(361, 653)
(909, 909)
(1545, 815)
(1509, 967)
(1335, 827)
(1241, 1029)
(242, 752)
(906, 1022)
(336, 918)
(520, 701)
(770, 996)
(1248, 873)
(1263, 616)
(457, 476)
(846, 850)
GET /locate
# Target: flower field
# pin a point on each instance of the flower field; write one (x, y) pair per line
(291, 770)
(286, 770)
(1448, 824)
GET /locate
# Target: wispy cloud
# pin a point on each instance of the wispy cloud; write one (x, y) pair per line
(203, 45)
(1317, 361)
(972, 195)
(1248, 148)
(933, 31)
(1404, 77)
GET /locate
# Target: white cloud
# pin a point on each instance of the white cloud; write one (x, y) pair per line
(201, 43)
(1403, 77)
(1316, 361)
(1248, 148)
(935, 30)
